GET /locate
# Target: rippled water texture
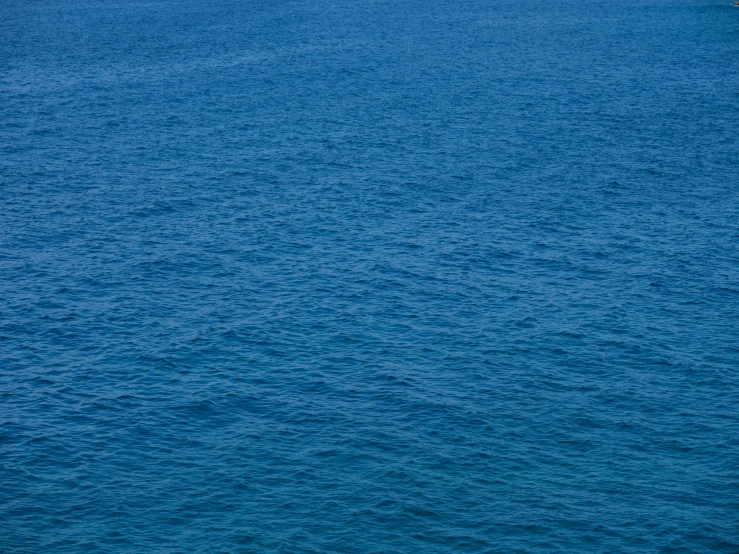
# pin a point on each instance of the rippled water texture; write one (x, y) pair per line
(330, 276)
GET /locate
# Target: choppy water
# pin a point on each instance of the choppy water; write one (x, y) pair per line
(362, 277)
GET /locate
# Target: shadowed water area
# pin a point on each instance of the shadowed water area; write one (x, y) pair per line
(330, 276)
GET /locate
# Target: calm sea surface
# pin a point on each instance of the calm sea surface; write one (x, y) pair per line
(331, 276)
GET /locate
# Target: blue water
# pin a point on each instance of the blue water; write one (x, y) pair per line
(331, 276)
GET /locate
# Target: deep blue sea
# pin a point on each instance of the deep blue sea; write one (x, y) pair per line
(364, 277)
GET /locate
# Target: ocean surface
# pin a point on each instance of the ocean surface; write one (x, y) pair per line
(333, 276)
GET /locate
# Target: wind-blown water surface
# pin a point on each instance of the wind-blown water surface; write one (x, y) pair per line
(361, 277)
